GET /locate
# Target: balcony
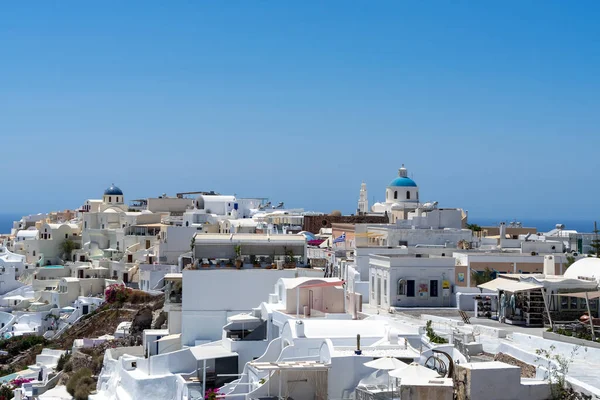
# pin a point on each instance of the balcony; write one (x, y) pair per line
(253, 329)
(173, 291)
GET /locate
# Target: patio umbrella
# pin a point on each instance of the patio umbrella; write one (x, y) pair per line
(387, 364)
(414, 371)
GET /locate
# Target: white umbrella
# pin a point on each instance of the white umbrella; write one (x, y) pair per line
(412, 371)
(243, 318)
(386, 363)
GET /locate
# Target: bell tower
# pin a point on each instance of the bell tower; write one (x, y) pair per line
(363, 200)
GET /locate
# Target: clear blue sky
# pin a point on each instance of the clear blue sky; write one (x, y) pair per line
(493, 106)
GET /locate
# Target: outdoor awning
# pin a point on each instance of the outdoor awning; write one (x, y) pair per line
(290, 365)
(581, 295)
(243, 318)
(242, 321)
(211, 352)
(509, 285)
(176, 336)
(173, 277)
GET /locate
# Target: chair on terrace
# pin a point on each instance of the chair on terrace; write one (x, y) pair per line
(465, 317)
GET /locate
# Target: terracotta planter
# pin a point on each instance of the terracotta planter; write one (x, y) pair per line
(256, 265)
(238, 264)
(205, 265)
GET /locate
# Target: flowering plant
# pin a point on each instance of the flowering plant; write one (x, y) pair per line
(212, 394)
(18, 382)
(6, 392)
(116, 293)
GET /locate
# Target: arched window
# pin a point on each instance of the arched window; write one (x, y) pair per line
(408, 195)
(109, 199)
(401, 287)
(187, 223)
(34, 253)
(395, 194)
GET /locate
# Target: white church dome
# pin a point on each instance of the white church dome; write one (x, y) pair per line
(588, 267)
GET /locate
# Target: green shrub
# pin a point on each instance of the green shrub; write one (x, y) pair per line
(82, 392)
(98, 363)
(138, 297)
(68, 367)
(432, 336)
(62, 361)
(74, 380)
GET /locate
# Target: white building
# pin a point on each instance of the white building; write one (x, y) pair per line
(46, 247)
(211, 208)
(211, 296)
(152, 275)
(173, 242)
(252, 248)
(401, 196)
(117, 238)
(404, 281)
(27, 222)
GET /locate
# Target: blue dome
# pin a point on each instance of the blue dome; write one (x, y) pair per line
(113, 191)
(403, 181)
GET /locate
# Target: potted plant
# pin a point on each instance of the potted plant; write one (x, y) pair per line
(254, 261)
(289, 259)
(273, 263)
(205, 263)
(238, 256)
(229, 264)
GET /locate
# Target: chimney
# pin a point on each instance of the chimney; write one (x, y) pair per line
(502, 230)
(358, 352)
(299, 329)
(549, 265)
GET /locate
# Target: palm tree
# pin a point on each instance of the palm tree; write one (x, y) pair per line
(570, 261)
(479, 278)
(474, 227)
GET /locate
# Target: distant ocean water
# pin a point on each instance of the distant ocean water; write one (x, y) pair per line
(543, 225)
(6, 222)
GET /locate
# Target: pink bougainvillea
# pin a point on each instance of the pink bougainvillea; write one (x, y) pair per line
(18, 382)
(212, 394)
(116, 293)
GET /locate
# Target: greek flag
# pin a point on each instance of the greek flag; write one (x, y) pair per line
(340, 239)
